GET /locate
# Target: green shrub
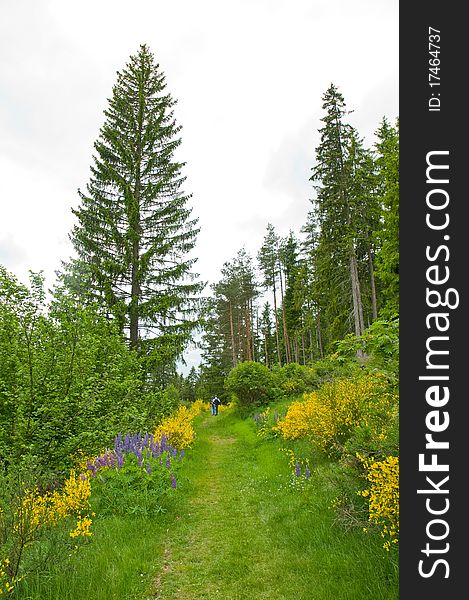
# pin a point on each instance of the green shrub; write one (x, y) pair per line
(379, 345)
(333, 367)
(161, 404)
(251, 383)
(293, 379)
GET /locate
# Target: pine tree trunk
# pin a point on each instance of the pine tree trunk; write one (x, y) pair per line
(134, 223)
(135, 285)
(295, 343)
(133, 307)
(285, 331)
(233, 350)
(276, 325)
(374, 304)
(254, 329)
(356, 296)
(319, 332)
(248, 331)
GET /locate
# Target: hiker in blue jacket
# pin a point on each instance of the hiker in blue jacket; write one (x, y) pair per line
(214, 404)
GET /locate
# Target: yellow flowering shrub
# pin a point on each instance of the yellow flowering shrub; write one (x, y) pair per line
(383, 497)
(7, 582)
(178, 428)
(40, 510)
(82, 528)
(199, 406)
(329, 415)
(299, 420)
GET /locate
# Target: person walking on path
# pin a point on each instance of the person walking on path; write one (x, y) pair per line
(214, 404)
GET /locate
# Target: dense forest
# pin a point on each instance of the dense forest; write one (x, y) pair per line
(99, 354)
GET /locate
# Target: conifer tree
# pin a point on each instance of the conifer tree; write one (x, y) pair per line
(268, 263)
(387, 162)
(134, 227)
(339, 212)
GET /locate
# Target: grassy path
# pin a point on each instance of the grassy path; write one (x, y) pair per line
(244, 534)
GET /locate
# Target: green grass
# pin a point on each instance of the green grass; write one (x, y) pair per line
(239, 530)
(116, 564)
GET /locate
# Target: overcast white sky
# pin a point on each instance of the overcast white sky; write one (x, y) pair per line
(248, 76)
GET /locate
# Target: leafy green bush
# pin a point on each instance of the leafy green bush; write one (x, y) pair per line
(251, 383)
(335, 366)
(295, 378)
(67, 379)
(379, 346)
(161, 404)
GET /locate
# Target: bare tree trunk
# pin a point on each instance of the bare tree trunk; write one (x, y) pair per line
(374, 304)
(248, 331)
(276, 326)
(134, 295)
(319, 332)
(356, 296)
(233, 350)
(255, 330)
(285, 331)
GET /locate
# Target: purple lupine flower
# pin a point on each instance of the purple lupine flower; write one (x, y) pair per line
(82, 477)
(168, 462)
(307, 473)
(149, 469)
(173, 481)
(297, 469)
(139, 456)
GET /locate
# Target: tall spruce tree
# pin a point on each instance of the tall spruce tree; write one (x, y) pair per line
(387, 162)
(340, 216)
(135, 229)
(267, 258)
